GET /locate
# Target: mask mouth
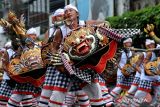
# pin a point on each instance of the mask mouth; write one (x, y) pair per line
(84, 48)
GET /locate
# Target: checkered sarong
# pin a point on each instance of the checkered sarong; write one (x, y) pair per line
(25, 88)
(145, 85)
(75, 86)
(51, 73)
(83, 75)
(99, 79)
(125, 81)
(5, 89)
(127, 32)
(62, 80)
(136, 80)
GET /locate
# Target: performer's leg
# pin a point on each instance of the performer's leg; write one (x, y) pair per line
(129, 96)
(70, 99)
(3, 102)
(106, 96)
(14, 100)
(158, 96)
(35, 101)
(83, 99)
(116, 92)
(57, 98)
(62, 85)
(95, 94)
(156, 99)
(139, 98)
(144, 88)
(27, 101)
(44, 98)
(48, 85)
(5, 93)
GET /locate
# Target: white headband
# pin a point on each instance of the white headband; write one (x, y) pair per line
(70, 6)
(127, 40)
(8, 44)
(149, 41)
(58, 12)
(32, 31)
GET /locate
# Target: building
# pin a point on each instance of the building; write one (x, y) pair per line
(100, 9)
(36, 12)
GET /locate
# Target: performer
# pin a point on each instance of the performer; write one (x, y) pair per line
(24, 92)
(51, 72)
(17, 67)
(149, 29)
(57, 20)
(123, 82)
(63, 80)
(130, 93)
(146, 82)
(56, 81)
(7, 84)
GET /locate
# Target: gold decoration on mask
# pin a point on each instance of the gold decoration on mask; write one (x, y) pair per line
(17, 25)
(77, 34)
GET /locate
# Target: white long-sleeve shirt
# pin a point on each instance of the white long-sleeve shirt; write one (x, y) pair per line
(10, 53)
(143, 74)
(123, 61)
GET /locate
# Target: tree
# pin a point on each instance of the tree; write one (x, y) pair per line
(138, 19)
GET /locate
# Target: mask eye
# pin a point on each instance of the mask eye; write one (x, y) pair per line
(73, 43)
(82, 36)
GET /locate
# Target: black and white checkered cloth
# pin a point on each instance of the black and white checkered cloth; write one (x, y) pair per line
(67, 65)
(83, 75)
(127, 32)
(136, 80)
(51, 73)
(110, 33)
(62, 81)
(145, 85)
(118, 34)
(75, 86)
(125, 81)
(27, 88)
(5, 89)
(99, 78)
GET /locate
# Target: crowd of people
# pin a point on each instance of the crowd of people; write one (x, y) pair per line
(61, 89)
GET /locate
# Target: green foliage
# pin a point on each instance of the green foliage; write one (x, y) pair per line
(138, 19)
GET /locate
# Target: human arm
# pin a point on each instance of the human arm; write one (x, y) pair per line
(149, 29)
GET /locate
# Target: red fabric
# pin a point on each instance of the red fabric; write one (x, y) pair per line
(55, 88)
(26, 93)
(99, 68)
(36, 82)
